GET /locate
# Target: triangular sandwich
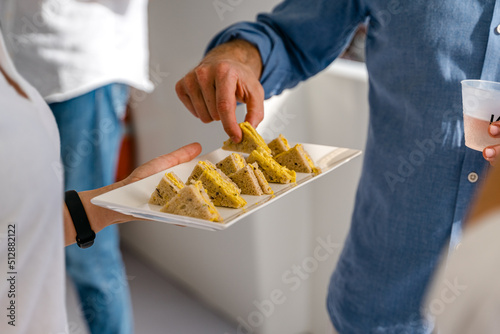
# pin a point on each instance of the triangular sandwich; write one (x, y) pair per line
(278, 145)
(168, 187)
(245, 179)
(231, 164)
(198, 170)
(202, 166)
(298, 160)
(221, 191)
(250, 141)
(273, 171)
(193, 201)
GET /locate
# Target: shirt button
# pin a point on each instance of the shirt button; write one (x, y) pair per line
(472, 177)
(498, 29)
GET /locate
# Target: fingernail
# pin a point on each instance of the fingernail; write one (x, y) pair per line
(489, 153)
(494, 130)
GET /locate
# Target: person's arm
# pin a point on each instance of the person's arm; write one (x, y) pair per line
(296, 41)
(491, 153)
(99, 217)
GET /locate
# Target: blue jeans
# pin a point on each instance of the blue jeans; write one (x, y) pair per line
(91, 131)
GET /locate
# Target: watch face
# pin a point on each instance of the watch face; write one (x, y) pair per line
(87, 242)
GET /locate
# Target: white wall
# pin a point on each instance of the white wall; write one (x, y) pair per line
(236, 268)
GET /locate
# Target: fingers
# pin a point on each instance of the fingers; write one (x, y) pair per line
(241, 87)
(226, 104)
(181, 155)
(255, 106)
(212, 95)
(491, 153)
(494, 129)
(181, 91)
(189, 92)
(197, 92)
(206, 86)
(228, 74)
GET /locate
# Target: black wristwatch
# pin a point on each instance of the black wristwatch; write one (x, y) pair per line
(84, 234)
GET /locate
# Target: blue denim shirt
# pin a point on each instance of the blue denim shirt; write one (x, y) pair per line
(418, 177)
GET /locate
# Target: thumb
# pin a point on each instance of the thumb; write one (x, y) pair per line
(491, 153)
(494, 129)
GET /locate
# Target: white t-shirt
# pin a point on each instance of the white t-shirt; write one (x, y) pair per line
(66, 48)
(465, 295)
(31, 230)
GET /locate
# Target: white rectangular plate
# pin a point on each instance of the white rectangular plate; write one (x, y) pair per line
(133, 199)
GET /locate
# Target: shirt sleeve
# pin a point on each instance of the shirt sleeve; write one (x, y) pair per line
(298, 38)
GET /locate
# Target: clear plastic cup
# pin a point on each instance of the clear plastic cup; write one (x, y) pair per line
(481, 104)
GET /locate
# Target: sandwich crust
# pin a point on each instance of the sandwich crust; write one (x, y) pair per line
(264, 185)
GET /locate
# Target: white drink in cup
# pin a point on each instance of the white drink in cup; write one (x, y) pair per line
(481, 104)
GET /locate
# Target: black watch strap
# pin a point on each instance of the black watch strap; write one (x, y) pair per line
(84, 234)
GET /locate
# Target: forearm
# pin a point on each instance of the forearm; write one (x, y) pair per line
(98, 217)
